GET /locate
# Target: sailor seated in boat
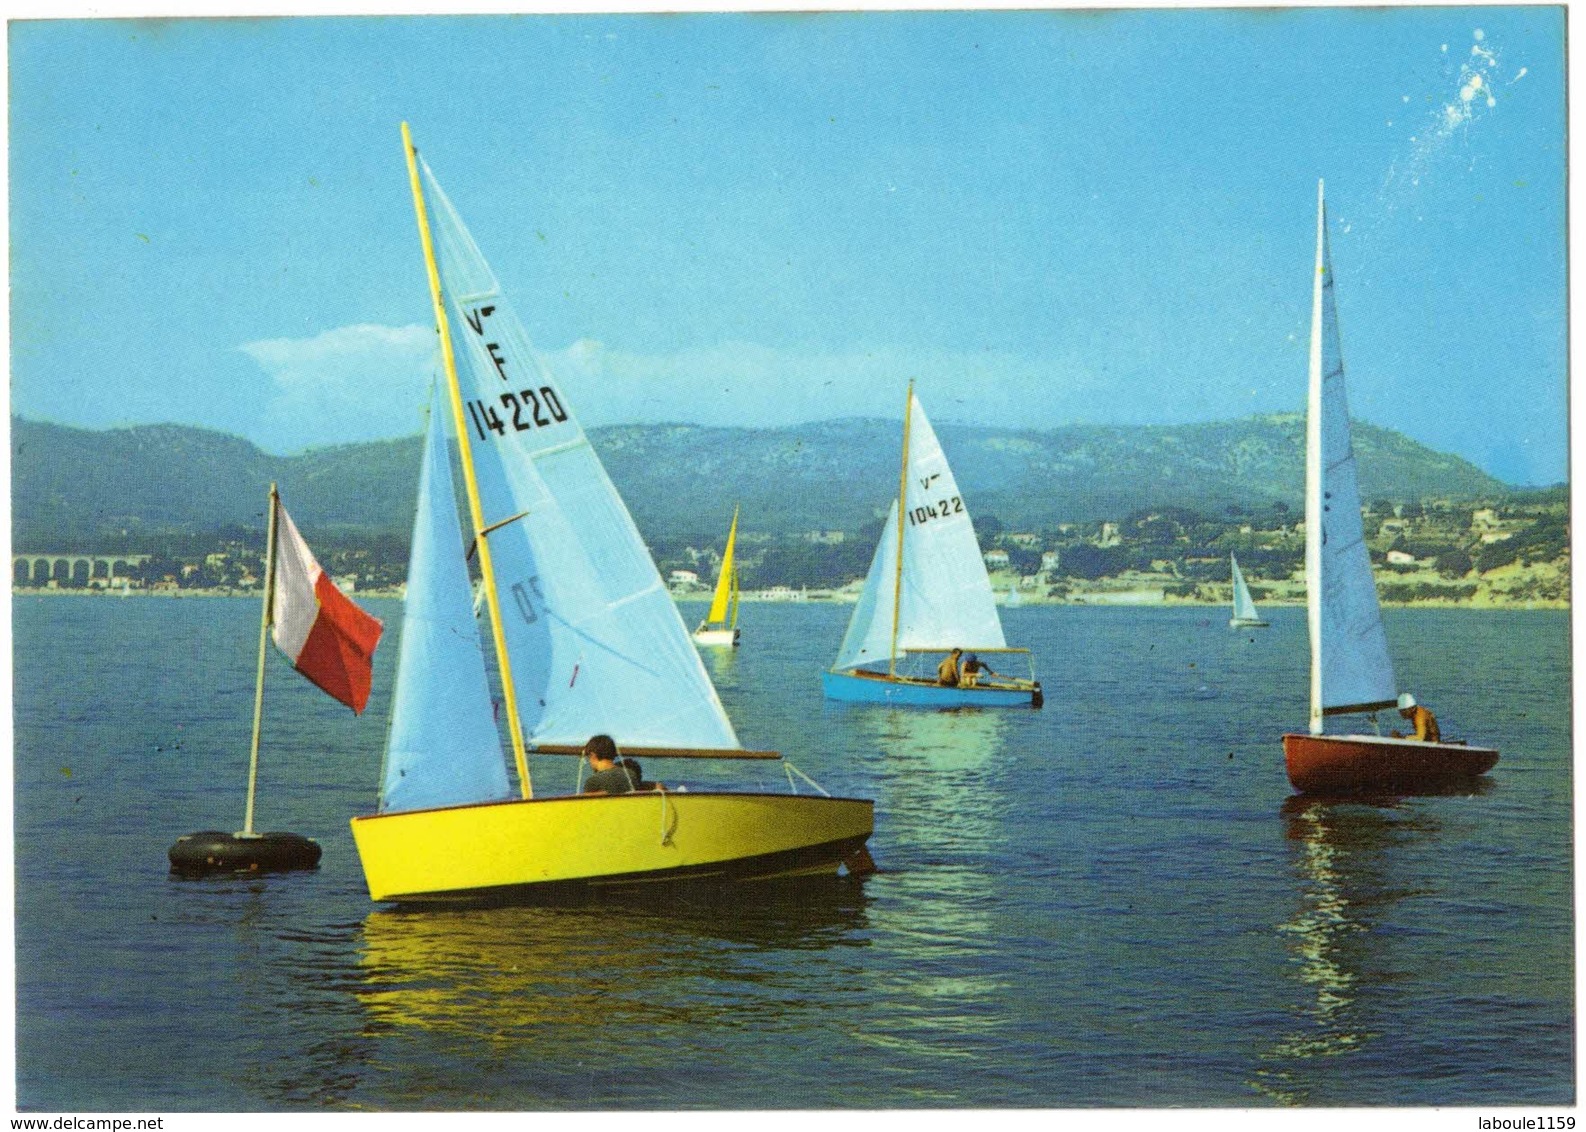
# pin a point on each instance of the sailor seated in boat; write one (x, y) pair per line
(974, 668)
(947, 671)
(607, 776)
(636, 774)
(1425, 722)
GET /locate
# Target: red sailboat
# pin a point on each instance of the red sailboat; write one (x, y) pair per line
(1351, 671)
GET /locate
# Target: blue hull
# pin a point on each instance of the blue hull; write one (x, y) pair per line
(917, 693)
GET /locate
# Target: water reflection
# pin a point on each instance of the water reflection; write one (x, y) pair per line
(1343, 855)
(940, 767)
(572, 973)
(959, 739)
(285, 985)
(941, 808)
(722, 664)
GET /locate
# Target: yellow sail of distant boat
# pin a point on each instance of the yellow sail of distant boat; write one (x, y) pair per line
(720, 626)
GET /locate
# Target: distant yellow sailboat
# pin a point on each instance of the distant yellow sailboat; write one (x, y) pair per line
(720, 627)
(587, 640)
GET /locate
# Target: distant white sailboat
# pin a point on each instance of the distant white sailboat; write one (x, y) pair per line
(1351, 671)
(1245, 615)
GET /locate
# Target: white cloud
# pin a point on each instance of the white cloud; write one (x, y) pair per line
(352, 383)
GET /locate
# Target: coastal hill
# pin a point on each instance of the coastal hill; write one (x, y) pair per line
(73, 486)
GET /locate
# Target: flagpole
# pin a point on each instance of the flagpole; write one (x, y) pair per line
(264, 633)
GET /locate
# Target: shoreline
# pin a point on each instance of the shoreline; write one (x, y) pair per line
(1098, 599)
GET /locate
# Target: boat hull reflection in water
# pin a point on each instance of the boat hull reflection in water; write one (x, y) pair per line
(1352, 764)
(545, 847)
(1344, 857)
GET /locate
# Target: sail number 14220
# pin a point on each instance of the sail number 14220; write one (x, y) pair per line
(529, 409)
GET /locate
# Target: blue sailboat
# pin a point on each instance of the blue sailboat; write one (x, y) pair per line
(926, 594)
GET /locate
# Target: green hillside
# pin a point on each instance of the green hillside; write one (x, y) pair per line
(72, 486)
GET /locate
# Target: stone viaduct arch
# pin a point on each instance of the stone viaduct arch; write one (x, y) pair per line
(71, 569)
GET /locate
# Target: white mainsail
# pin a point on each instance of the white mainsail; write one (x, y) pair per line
(1244, 605)
(595, 641)
(1350, 667)
(946, 599)
(443, 748)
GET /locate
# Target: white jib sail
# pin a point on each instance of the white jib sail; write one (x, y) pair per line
(946, 599)
(596, 643)
(1350, 667)
(1244, 605)
(443, 748)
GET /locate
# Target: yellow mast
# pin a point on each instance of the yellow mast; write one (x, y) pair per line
(733, 620)
(730, 565)
(903, 503)
(264, 634)
(475, 508)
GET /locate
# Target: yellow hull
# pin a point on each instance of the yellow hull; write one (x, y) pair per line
(502, 850)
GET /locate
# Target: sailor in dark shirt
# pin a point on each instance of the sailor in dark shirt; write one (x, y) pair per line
(607, 776)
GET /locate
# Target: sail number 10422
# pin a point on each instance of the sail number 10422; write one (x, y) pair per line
(938, 510)
(529, 409)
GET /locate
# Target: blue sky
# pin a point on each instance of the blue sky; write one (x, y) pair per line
(1042, 217)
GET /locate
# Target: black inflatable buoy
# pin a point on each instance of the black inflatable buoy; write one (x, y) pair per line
(211, 851)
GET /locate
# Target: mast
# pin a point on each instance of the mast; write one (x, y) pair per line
(732, 540)
(475, 508)
(903, 502)
(1313, 469)
(264, 633)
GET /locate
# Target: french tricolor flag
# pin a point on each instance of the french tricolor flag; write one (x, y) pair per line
(328, 638)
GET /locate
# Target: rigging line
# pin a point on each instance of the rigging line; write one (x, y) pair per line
(596, 642)
(666, 834)
(806, 777)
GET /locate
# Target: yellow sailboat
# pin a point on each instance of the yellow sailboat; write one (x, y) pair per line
(587, 641)
(720, 627)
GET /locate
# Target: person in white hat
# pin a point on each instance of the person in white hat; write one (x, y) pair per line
(1425, 721)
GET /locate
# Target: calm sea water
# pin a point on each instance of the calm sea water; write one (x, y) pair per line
(1109, 902)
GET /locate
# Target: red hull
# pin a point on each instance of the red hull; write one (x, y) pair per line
(1360, 764)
